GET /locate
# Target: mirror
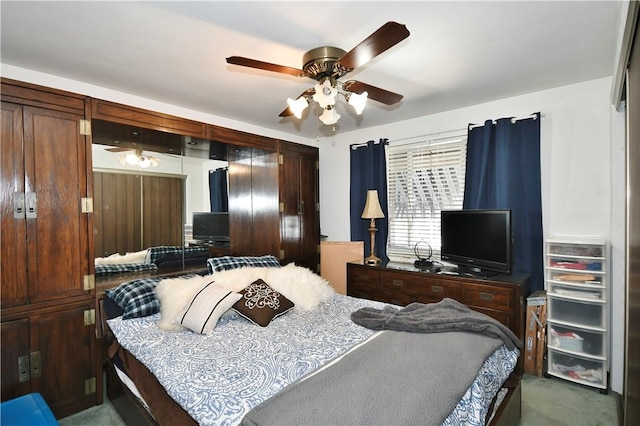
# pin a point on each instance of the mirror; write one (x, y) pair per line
(147, 185)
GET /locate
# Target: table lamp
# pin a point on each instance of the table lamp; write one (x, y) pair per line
(373, 211)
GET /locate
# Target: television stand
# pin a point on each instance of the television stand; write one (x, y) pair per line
(471, 272)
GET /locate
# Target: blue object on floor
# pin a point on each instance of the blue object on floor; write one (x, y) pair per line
(27, 410)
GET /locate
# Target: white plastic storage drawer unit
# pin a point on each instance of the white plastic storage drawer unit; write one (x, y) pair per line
(578, 310)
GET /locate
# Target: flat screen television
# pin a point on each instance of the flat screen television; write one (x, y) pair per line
(211, 227)
(479, 242)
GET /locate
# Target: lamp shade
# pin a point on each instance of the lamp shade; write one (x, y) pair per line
(372, 209)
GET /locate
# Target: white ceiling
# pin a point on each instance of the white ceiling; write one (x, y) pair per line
(458, 53)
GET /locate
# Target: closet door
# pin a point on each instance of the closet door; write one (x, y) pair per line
(13, 247)
(67, 366)
(14, 344)
(55, 181)
(299, 216)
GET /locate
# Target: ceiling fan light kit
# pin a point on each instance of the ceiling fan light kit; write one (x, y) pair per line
(137, 158)
(326, 64)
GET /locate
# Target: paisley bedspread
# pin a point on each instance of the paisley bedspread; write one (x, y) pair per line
(218, 378)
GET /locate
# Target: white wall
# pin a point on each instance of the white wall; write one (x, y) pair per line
(575, 134)
(576, 160)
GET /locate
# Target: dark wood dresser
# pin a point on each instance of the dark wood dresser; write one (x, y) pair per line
(501, 297)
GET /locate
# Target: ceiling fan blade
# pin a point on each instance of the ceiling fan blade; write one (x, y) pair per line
(377, 94)
(382, 39)
(287, 111)
(267, 66)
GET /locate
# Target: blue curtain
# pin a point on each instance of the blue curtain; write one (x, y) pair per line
(503, 171)
(218, 190)
(369, 171)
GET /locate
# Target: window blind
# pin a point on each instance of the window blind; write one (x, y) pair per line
(423, 178)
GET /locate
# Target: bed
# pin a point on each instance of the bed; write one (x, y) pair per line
(323, 353)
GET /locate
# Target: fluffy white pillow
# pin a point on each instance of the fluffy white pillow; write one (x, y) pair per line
(207, 306)
(117, 258)
(303, 287)
(238, 279)
(174, 294)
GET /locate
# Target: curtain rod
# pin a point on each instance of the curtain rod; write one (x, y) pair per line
(430, 135)
(513, 120)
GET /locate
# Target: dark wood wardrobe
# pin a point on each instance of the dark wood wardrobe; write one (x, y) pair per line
(47, 198)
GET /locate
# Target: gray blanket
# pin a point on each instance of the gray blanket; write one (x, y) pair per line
(446, 315)
(398, 378)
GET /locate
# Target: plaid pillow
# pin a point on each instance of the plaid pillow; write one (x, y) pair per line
(137, 298)
(117, 268)
(225, 263)
(155, 253)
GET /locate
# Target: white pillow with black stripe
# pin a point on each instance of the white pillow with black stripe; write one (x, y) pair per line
(207, 306)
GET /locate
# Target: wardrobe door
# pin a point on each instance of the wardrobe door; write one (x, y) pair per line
(13, 249)
(299, 216)
(55, 182)
(16, 376)
(65, 345)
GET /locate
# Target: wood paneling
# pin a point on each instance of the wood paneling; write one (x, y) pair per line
(124, 114)
(162, 217)
(117, 213)
(134, 212)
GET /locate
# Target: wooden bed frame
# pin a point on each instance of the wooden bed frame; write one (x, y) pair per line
(166, 411)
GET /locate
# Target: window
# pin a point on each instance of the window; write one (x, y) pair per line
(423, 178)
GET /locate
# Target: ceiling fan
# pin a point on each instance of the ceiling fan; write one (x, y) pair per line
(136, 157)
(327, 64)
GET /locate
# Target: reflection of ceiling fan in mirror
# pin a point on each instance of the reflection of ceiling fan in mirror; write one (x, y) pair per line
(135, 157)
(327, 64)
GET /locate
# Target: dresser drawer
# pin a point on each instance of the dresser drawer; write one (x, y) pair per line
(488, 296)
(434, 290)
(363, 282)
(505, 318)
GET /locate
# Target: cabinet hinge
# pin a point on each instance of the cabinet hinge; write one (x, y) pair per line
(89, 282)
(87, 205)
(281, 207)
(85, 127)
(280, 159)
(90, 317)
(318, 249)
(317, 165)
(90, 386)
(281, 254)
(317, 207)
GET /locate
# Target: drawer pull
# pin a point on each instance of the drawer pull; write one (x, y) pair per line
(437, 288)
(364, 277)
(486, 296)
(398, 283)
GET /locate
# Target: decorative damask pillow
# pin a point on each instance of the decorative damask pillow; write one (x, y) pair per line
(260, 303)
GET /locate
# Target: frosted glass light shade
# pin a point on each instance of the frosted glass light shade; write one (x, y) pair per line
(297, 106)
(358, 101)
(325, 94)
(329, 116)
